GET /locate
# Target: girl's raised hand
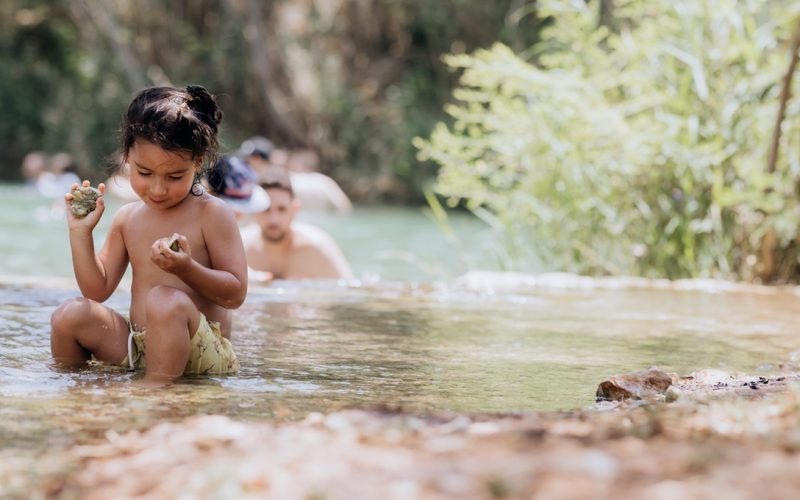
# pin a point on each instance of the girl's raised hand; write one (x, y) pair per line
(88, 222)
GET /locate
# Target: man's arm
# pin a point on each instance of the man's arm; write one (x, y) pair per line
(336, 196)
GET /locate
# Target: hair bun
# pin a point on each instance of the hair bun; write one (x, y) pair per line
(201, 101)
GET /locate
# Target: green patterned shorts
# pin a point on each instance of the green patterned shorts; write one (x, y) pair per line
(210, 354)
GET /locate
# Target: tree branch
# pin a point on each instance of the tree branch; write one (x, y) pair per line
(106, 23)
(283, 124)
(786, 91)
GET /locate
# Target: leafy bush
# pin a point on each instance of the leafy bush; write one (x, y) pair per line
(640, 148)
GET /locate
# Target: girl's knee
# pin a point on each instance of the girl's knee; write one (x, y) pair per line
(70, 314)
(167, 302)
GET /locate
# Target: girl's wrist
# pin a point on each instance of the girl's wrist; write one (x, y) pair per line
(81, 233)
(186, 271)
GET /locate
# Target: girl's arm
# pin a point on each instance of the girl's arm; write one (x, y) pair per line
(224, 282)
(97, 276)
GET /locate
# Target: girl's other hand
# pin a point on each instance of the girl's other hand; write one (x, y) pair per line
(89, 222)
(168, 259)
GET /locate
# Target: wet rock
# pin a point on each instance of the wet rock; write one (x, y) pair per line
(635, 385)
(711, 377)
(84, 200)
(174, 245)
(672, 394)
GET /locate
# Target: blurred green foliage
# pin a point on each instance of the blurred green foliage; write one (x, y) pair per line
(355, 81)
(632, 147)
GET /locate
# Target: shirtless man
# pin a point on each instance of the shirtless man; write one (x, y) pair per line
(277, 247)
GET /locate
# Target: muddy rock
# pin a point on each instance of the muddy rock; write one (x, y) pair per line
(635, 385)
(84, 200)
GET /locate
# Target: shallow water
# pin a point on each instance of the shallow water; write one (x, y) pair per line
(322, 347)
(403, 341)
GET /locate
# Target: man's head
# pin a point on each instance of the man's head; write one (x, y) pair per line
(33, 165)
(276, 221)
(256, 151)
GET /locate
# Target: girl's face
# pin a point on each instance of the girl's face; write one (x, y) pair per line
(161, 178)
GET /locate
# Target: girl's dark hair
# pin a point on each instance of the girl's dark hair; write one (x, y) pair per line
(177, 120)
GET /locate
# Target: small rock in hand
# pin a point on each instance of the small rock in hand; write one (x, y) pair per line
(84, 200)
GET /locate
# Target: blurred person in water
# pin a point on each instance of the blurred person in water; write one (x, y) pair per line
(233, 181)
(49, 177)
(278, 247)
(34, 164)
(118, 185)
(188, 264)
(315, 190)
(59, 176)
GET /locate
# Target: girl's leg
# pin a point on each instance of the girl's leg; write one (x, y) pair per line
(172, 320)
(81, 327)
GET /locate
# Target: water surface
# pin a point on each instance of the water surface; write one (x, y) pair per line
(320, 346)
(386, 243)
(407, 335)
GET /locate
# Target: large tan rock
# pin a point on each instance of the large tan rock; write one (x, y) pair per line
(635, 385)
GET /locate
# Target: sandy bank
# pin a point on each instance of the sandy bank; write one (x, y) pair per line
(720, 439)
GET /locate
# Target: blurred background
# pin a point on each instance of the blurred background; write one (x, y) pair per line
(353, 80)
(606, 137)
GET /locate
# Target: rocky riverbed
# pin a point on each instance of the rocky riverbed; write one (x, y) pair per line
(720, 436)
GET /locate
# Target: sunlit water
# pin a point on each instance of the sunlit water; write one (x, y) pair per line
(416, 344)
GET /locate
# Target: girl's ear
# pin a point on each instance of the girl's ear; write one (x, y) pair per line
(123, 167)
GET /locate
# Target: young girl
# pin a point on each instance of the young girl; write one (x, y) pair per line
(181, 301)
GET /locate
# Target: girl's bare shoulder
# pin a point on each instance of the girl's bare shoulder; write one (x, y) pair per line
(126, 211)
(215, 213)
(213, 206)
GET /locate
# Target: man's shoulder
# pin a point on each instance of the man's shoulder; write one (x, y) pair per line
(306, 234)
(319, 253)
(250, 233)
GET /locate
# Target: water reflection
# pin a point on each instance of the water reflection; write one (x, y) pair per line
(323, 347)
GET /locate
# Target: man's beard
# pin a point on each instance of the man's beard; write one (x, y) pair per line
(275, 236)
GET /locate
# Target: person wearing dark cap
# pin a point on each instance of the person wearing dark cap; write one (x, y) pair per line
(233, 181)
(279, 247)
